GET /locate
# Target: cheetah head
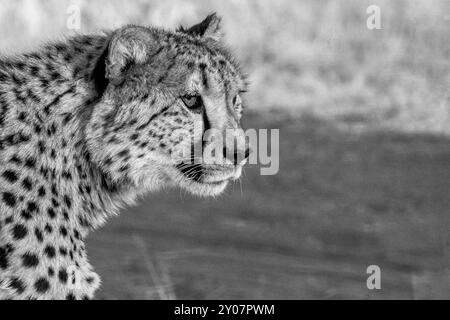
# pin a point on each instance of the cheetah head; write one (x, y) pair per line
(170, 112)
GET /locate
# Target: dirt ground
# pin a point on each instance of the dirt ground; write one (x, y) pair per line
(341, 202)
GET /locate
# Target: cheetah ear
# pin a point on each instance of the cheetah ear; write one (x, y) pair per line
(129, 45)
(208, 28)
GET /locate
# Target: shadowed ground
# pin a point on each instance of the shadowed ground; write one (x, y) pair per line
(341, 202)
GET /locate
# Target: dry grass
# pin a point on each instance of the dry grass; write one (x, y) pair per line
(303, 56)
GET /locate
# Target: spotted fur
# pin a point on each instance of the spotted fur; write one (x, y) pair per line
(89, 124)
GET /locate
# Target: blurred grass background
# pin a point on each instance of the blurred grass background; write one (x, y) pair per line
(364, 179)
(302, 55)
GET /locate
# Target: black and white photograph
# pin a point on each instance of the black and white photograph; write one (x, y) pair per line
(224, 155)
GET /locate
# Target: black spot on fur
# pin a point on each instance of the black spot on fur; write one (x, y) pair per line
(41, 285)
(9, 199)
(123, 153)
(67, 175)
(51, 213)
(48, 228)
(16, 160)
(63, 231)
(55, 203)
(19, 231)
(50, 251)
(27, 184)
(70, 296)
(30, 260)
(32, 206)
(37, 128)
(68, 201)
(41, 147)
(76, 234)
(25, 214)
(67, 118)
(54, 192)
(38, 234)
(9, 220)
(30, 163)
(4, 260)
(41, 192)
(21, 117)
(10, 176)
(62, 276)
(63, 251)
(17, 285)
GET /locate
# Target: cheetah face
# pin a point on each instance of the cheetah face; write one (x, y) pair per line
(171, 112)
(214, 152)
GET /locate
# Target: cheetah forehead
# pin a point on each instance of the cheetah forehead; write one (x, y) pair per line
(198, 53)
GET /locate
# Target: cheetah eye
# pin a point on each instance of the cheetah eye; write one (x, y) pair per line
(193, 103)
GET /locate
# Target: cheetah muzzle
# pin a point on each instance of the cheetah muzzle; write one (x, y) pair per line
(90, 124)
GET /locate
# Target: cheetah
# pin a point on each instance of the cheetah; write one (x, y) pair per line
(91, 123)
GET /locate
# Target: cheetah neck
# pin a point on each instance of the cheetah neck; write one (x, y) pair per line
(52, 193)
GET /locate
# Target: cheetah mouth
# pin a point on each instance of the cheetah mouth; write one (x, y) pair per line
(210, 175)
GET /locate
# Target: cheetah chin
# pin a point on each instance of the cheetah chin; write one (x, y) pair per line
(204, 181)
